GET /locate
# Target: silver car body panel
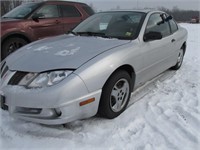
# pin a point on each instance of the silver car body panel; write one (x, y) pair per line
(58, 97)
(93, 60)
(65, 51)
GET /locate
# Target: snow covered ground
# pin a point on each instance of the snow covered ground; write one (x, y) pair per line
(165, 116)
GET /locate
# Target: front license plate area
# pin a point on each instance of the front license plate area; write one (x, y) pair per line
(3, 103)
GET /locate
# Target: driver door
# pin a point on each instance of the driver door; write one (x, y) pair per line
(48, 23)
(157, 53)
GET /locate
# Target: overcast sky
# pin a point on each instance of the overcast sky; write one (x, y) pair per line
(130, 4)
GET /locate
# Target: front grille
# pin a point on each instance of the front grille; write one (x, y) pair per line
(37, 113)
(4, 69)
(17, 77)
(25, 110)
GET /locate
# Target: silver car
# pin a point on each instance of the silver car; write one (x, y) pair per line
(93, 69)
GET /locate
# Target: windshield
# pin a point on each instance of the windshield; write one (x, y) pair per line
(121, 25)
(21, 11)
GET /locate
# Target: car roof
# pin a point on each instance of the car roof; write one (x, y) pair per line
(54, 1)
(134, 10)
(63, 1)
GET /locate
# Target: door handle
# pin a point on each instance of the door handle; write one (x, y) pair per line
(173, 40)
(57, 22)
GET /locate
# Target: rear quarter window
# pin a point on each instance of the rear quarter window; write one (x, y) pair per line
(69, 11)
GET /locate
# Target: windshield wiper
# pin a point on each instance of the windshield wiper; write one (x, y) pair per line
(13, 17)
(93, 34)
(72, 32)
(6, 17)
(124, 38)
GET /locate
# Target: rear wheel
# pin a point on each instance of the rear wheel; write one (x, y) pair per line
(179, 60)
(115, 95)
(12, 44)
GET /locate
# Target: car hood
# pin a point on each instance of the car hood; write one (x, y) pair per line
(61, 52)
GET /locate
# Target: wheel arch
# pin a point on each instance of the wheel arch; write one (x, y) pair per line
(15, 34)
(104, 108)
(129, 69)
(9, 36)
(184, 45)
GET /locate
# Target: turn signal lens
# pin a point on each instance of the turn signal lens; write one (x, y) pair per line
(87, 102)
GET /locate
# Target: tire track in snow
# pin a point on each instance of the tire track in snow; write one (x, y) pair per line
(170, 145)
(145, 91)
(192, 120)
(173, 129)
(149, 89)
(134, 129)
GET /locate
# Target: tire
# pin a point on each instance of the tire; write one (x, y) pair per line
(12, 44)
(179, 60)
(115, 95)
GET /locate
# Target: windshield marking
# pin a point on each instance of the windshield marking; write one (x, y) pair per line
(68, 52)
(43, 48)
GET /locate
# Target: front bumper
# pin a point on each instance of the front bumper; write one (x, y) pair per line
(58, 104)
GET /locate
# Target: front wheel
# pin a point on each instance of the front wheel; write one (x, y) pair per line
(115, 95)
(12, 44)
(179, 60)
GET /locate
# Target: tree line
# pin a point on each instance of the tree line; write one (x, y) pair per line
(182, 15)
(7, 5)
(178, 14)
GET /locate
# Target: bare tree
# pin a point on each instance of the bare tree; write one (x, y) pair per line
(5, 7)
(8, 5)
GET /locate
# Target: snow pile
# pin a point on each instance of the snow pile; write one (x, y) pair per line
(165, 116)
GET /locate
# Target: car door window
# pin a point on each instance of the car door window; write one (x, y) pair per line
(70, 11)
(173, 25)
(156, 24)
(48, 11)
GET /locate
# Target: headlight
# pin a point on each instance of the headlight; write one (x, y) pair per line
(33, 80)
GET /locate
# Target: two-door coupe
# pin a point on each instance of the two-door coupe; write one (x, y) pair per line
(93, 69)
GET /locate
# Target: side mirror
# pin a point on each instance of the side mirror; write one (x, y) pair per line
(164, 19)
(150, 36)
(168, 18)
(35, 17)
